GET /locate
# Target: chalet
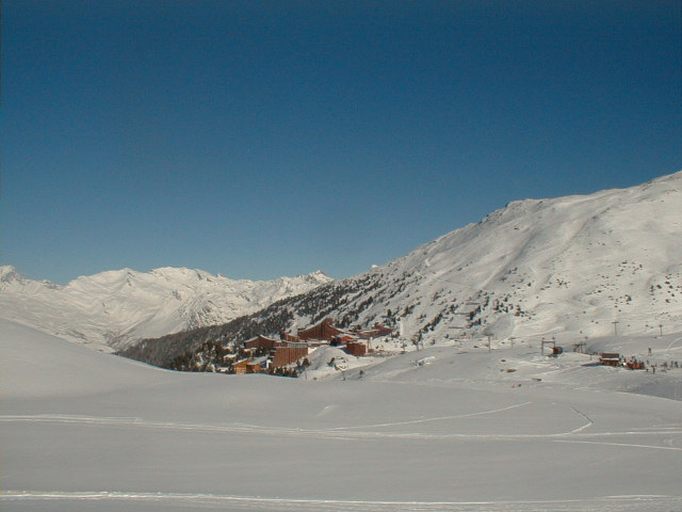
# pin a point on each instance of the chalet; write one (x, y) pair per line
(240, 367)
(250, 366)
(254, 367)
(609, 359)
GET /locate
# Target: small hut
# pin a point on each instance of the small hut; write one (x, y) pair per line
(609, 359)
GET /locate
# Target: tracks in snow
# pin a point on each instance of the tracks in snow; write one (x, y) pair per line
(437, 418)
(265, 504)
(339, 433)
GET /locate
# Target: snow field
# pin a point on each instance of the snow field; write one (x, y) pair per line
(455, 434)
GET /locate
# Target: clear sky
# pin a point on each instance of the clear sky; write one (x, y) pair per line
(259, 139)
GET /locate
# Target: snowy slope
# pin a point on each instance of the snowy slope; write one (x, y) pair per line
(117, 307)
(566, 267)
(82, 430)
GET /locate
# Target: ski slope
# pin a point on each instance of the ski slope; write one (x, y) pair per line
(83, 430)
(567, 267)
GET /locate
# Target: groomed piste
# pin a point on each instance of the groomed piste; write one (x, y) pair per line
(447, 428)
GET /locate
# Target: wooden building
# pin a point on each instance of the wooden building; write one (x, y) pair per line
(248, 366)
(343, 339)
(289, 337)
(325, 330)
(375, 332)
(610, 359)
(288, 353)
(253, 367)
(356, 348)
(239, 367)
(260, 342)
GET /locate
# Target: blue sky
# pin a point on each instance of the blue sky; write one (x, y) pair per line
(259, 139)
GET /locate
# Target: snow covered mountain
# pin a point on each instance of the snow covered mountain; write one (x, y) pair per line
(567, 267)
(564, 266)
(115, 308)
(451, 427)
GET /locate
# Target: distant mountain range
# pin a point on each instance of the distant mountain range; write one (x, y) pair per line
(572, 267)
(111, 310)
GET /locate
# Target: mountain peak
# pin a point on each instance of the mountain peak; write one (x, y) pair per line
(319, 275)
(9, 274)
(116, 307)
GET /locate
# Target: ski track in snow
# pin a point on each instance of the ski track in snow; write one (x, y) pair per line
(438, 418)
(334, 433)
(628, 445)
(672, 343)
(586, 425)
(624, 503)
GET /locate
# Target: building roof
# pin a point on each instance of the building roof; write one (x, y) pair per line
(609, 355)
(260, 337)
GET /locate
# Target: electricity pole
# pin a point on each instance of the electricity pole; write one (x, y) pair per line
(615, 328)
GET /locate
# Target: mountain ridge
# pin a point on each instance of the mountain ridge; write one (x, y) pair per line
(116, 307)
(565, 267)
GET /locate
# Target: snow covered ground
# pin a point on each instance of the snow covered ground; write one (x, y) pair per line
(448, 428)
